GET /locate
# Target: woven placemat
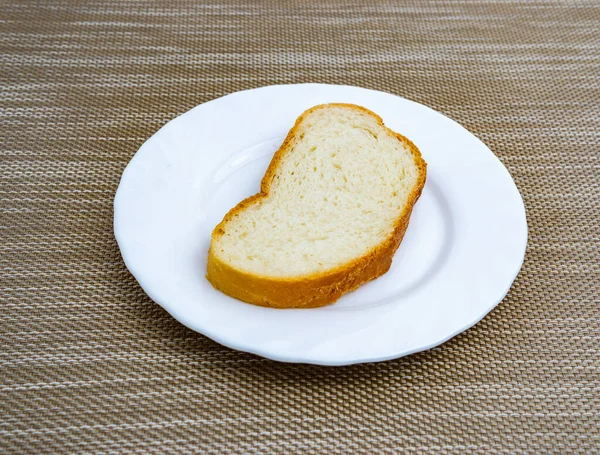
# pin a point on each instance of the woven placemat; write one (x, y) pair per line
(89, 364)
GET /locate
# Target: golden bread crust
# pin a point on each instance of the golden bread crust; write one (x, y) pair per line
(317, 289)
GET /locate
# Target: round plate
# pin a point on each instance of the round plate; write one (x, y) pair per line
(463, 248)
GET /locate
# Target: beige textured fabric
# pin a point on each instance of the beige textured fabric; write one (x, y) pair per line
(88, 364)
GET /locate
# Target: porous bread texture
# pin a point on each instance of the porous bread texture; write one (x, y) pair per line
(333, 208)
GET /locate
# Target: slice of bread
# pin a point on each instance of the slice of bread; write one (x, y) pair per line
(333, 208)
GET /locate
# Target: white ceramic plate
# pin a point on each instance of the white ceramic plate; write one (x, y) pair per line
(463, 248)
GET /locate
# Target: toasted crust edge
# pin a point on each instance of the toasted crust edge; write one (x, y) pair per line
(318, 289)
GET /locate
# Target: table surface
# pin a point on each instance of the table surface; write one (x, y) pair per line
(89, 364)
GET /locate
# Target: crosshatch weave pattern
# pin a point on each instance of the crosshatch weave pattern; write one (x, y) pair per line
(89, 364)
